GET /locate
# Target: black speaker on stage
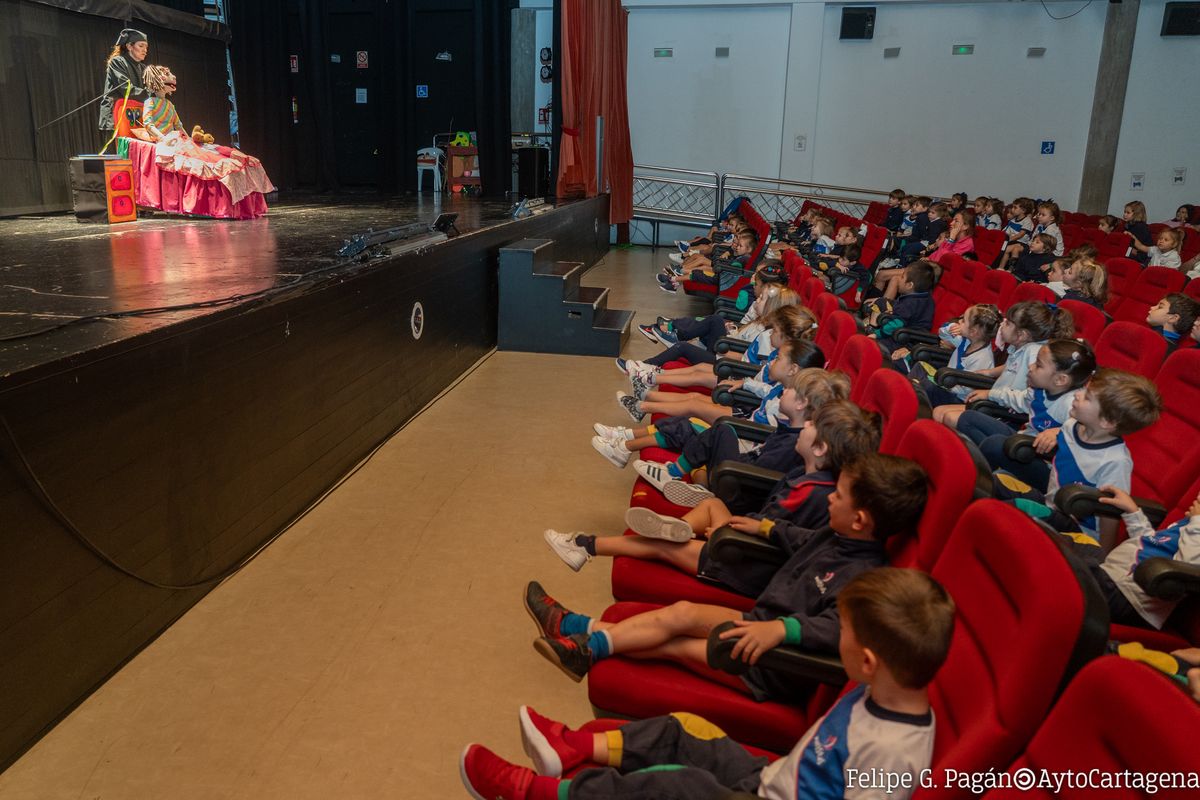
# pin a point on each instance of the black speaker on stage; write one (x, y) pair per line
(858, 22)
(533, 171)
(1181, 19)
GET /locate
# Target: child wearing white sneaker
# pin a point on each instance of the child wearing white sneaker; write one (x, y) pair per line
(838, 433)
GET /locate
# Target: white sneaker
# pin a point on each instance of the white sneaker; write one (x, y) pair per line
(655, 473)
(676, 258)
(614, 433)
(563, 545)
(645, 522)
(615, 452)
(685, 494)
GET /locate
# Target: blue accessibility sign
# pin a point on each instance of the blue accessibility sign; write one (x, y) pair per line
(422, 90)
(1047, 148)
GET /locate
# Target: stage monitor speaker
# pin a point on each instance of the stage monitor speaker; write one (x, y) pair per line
(533, 171)
(98, 197)
(858, 22)
(1181, 19)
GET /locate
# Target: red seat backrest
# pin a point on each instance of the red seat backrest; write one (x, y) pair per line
(832, 334)
(812, 289)
(1093, 235)
(890, 395)
(953, 294)
(1010, 583)
(1028, 290)
(823, 305)
(1165, 458)
(858, 358)
(1116, 716)
(1191, 246)
(1072, 235)
(872, 244)
(1192, 289)
(994, 286)
(1150, 287)
(1089, 320)
(1122, 272)
(1131, 347)
(951, 474)
(1115, 244)
(988, 244)
(876, 212)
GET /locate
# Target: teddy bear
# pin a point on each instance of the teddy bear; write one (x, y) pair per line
(200, 137)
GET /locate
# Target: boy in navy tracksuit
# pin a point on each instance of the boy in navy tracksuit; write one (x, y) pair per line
(912, 308)
(895, 212)
(903, 618)
(838, 433)
(876, 496)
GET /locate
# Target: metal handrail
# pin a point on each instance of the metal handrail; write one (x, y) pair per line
(818, 186)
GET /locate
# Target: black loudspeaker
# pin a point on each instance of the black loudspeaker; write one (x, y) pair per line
(1181, 19)
(858, 22)
(533, 171)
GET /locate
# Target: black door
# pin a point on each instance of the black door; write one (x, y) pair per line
(356, 97)
(443, 61)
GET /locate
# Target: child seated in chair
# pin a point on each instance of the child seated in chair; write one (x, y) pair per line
(906, 304)
(700, 444)
(1128, 603)
(699, 269)
(839, 433)
(1173, 318)
(877, 496)
(1090, 451)
(1030, 265)
(897, 626)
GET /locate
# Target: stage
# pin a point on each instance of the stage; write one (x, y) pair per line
(145, 454)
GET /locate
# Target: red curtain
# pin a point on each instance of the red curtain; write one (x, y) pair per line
(593, 85)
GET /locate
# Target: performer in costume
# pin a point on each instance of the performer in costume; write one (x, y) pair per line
(122, 79)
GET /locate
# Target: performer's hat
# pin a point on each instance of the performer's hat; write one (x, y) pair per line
(130, 36)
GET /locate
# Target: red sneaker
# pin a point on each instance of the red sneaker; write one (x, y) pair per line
(543, 740)
(487, 776)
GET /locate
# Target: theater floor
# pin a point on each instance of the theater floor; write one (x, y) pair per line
(365, 648)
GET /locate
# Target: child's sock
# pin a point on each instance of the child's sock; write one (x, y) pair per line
(587, 543)
(679, 468)
(572, 624)
(600, 643)
(543, 787)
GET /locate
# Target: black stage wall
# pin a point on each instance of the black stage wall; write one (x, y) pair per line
(179, 452)
(52, 60)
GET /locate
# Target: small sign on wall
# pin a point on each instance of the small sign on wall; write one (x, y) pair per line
(1179, 176)
(360, 59)
(422, 90)
(1047, 148)
(335, 58)
(360, 96)
(294, 63)
(1137, 181)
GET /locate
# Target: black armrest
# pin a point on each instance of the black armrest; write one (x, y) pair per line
(747, 430)
(732, 314)
(734, 547)
(1019, 447)
(911, 336)
(727, 368)
(1081, 501)
(738, 398)
(1167, 578)
(949, 378)
(789, 660)
(740, 485)
(934, 355)
(735, 268)
(728, 344)
(997, 411)
(720, 302)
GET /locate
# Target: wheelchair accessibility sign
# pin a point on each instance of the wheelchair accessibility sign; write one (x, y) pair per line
(422, 90)
(1047, 148)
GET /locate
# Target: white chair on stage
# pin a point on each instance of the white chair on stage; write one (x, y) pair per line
(431, 159)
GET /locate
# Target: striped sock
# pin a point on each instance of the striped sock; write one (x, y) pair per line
(573, 623)
(679, 468)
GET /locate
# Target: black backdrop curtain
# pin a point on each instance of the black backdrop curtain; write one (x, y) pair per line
(493, 24)
(52, 60)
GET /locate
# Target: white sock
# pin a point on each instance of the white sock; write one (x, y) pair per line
(626, 436)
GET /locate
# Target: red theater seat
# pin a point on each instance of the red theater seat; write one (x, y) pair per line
(890, 395)
(1131, 347)
(833, 332)
(858, 359)
(1151, 285)
(1089, 320)
(1165, 458)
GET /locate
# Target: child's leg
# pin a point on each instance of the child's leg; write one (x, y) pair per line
(653, 634)
(690, 405)
(948, 415)
(698, 375)
(684, 556)
(682, 350)
(892, 290)
(978, 426)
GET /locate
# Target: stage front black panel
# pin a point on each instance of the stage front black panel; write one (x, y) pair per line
(181, 451)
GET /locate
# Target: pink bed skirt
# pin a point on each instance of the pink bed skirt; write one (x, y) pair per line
(177, 193)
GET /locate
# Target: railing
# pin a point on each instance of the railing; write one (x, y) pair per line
(779, 199)
(667, 194)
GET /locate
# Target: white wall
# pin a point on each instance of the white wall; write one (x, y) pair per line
(680, 113)
(1160, 128)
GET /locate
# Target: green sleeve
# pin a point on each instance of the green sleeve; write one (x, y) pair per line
(792, 626)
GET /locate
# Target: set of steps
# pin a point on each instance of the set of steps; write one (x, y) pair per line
(543, 309)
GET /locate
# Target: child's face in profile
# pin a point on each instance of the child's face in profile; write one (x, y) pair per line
(843, 262)
(1105, 226)
(742, 247)
(905, 206)
(893, 202)
(1044, 216)
(793, 407)
(781, 366)
(1160, 315)
(920, 209)
(845, 236)
(1058, 272)
(1165, 242)
(1036, 246)
(842, 514)
(1086, 409)
(1181, 214)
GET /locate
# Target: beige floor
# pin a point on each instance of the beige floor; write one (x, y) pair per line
(364, 649)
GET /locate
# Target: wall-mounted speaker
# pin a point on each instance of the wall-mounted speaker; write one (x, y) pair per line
(1181, 19)
(858, 22)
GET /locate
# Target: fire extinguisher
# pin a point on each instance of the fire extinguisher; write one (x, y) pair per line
(295, 111)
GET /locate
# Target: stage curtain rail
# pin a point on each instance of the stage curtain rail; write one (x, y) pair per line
(163, 17)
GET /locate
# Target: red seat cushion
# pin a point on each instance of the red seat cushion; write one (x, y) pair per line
(1131, 347)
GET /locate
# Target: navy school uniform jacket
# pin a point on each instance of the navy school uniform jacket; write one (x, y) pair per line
(806, 589)
(1028, 267)
(778, 451)
(920, 231)
(893, 219)
(798, 503)
(1075, 294)
(936, 228)
(916, 309)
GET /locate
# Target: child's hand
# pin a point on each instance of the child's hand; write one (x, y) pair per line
(955, 329)
(730, 327)
(978, 394)
(900, 353)
(1122, 500)
(745, 524)
(843, 268)
(755, 638)
(1046, 441)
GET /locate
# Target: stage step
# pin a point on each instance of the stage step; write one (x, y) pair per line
(544, 309)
